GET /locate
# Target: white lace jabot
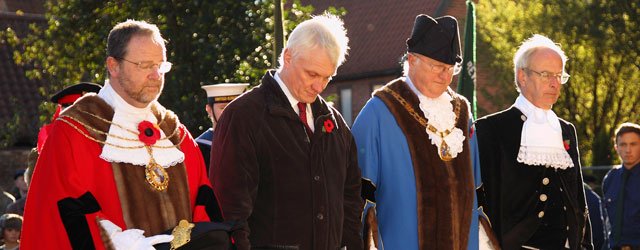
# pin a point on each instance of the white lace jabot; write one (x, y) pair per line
(439, 112)
(128, 117)
(541, 142)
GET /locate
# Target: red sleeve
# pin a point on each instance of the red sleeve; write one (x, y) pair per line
(196, 173)
(67, 170)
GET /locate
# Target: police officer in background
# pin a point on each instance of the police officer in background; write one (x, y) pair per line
(218, 96)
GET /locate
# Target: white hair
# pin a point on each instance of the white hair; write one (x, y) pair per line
(326, 31)
(528, 47)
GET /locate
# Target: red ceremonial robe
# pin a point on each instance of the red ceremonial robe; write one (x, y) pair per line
(72, 185)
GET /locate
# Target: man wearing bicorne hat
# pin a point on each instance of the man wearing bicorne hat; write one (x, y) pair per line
(218, 97)
(64, 98)
(532, 182)
(415, 149)
(119, 170)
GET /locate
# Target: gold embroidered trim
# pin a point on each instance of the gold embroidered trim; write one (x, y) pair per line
(443, 150)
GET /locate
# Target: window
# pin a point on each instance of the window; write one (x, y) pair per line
(345, 105)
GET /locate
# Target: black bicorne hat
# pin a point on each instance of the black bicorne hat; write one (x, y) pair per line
(76, 89)
(437, 39)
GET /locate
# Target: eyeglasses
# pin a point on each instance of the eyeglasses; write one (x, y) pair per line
(437, 69)
(163, 67)
(560, 77)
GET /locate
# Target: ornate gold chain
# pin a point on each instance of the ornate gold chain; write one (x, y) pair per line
(155, 174)
(443, 150)
(420, 119)
(107, 143)
(122, 127)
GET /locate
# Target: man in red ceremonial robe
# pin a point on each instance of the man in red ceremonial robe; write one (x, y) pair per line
(118, 169)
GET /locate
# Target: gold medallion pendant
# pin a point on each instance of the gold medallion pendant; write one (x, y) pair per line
(444, 152)
(156, 176)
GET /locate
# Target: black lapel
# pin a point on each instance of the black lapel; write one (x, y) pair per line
(276, 101)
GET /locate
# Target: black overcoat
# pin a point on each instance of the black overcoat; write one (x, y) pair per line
(288, 191)
(511, 193)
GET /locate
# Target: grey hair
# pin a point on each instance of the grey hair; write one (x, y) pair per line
(528, 47)
(326, 31)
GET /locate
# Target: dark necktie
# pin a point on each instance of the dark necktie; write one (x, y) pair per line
(617, 229)
(303, 117)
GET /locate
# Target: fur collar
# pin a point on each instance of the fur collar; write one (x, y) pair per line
(445, 190)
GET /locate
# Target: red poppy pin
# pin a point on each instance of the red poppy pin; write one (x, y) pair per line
(328, 126)
(566, 144)
(148, 132)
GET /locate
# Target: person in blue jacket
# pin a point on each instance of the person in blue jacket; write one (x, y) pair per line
(218, 97)
(415, 147)
(621, 188)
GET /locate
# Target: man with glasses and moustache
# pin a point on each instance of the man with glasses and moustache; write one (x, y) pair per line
(118, 169)
(532, 182)
(414, 148)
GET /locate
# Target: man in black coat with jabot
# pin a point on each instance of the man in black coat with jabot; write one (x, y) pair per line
(530, 165)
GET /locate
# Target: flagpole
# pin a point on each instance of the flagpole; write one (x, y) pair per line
(467, 79)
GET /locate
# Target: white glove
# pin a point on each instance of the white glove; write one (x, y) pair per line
(132, 239)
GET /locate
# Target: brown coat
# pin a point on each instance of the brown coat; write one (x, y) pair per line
(288, 192)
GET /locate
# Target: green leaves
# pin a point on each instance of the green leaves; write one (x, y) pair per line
(601, 40)
(208, 42)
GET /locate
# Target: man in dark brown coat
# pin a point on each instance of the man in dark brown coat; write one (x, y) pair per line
(284, 163)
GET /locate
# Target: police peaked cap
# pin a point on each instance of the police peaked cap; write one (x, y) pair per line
(437, 39)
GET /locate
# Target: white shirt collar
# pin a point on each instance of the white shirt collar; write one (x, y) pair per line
(292, 100)
(541, 139)
(444, 97)
(109, 95)
(128, 117)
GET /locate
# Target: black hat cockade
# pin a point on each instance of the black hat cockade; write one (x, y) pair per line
(437, 39)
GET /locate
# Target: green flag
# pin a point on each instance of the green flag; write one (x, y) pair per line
(467, 79)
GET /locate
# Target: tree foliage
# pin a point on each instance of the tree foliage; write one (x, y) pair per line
(601, 39)
(207, 42)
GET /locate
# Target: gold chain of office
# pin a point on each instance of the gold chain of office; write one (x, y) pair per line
(443, 150)
(115, 136)
(155, 174)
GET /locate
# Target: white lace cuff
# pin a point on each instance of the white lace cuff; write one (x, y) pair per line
(544, 156)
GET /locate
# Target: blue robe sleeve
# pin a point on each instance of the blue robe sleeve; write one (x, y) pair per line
(475, 164)
(366, 131)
